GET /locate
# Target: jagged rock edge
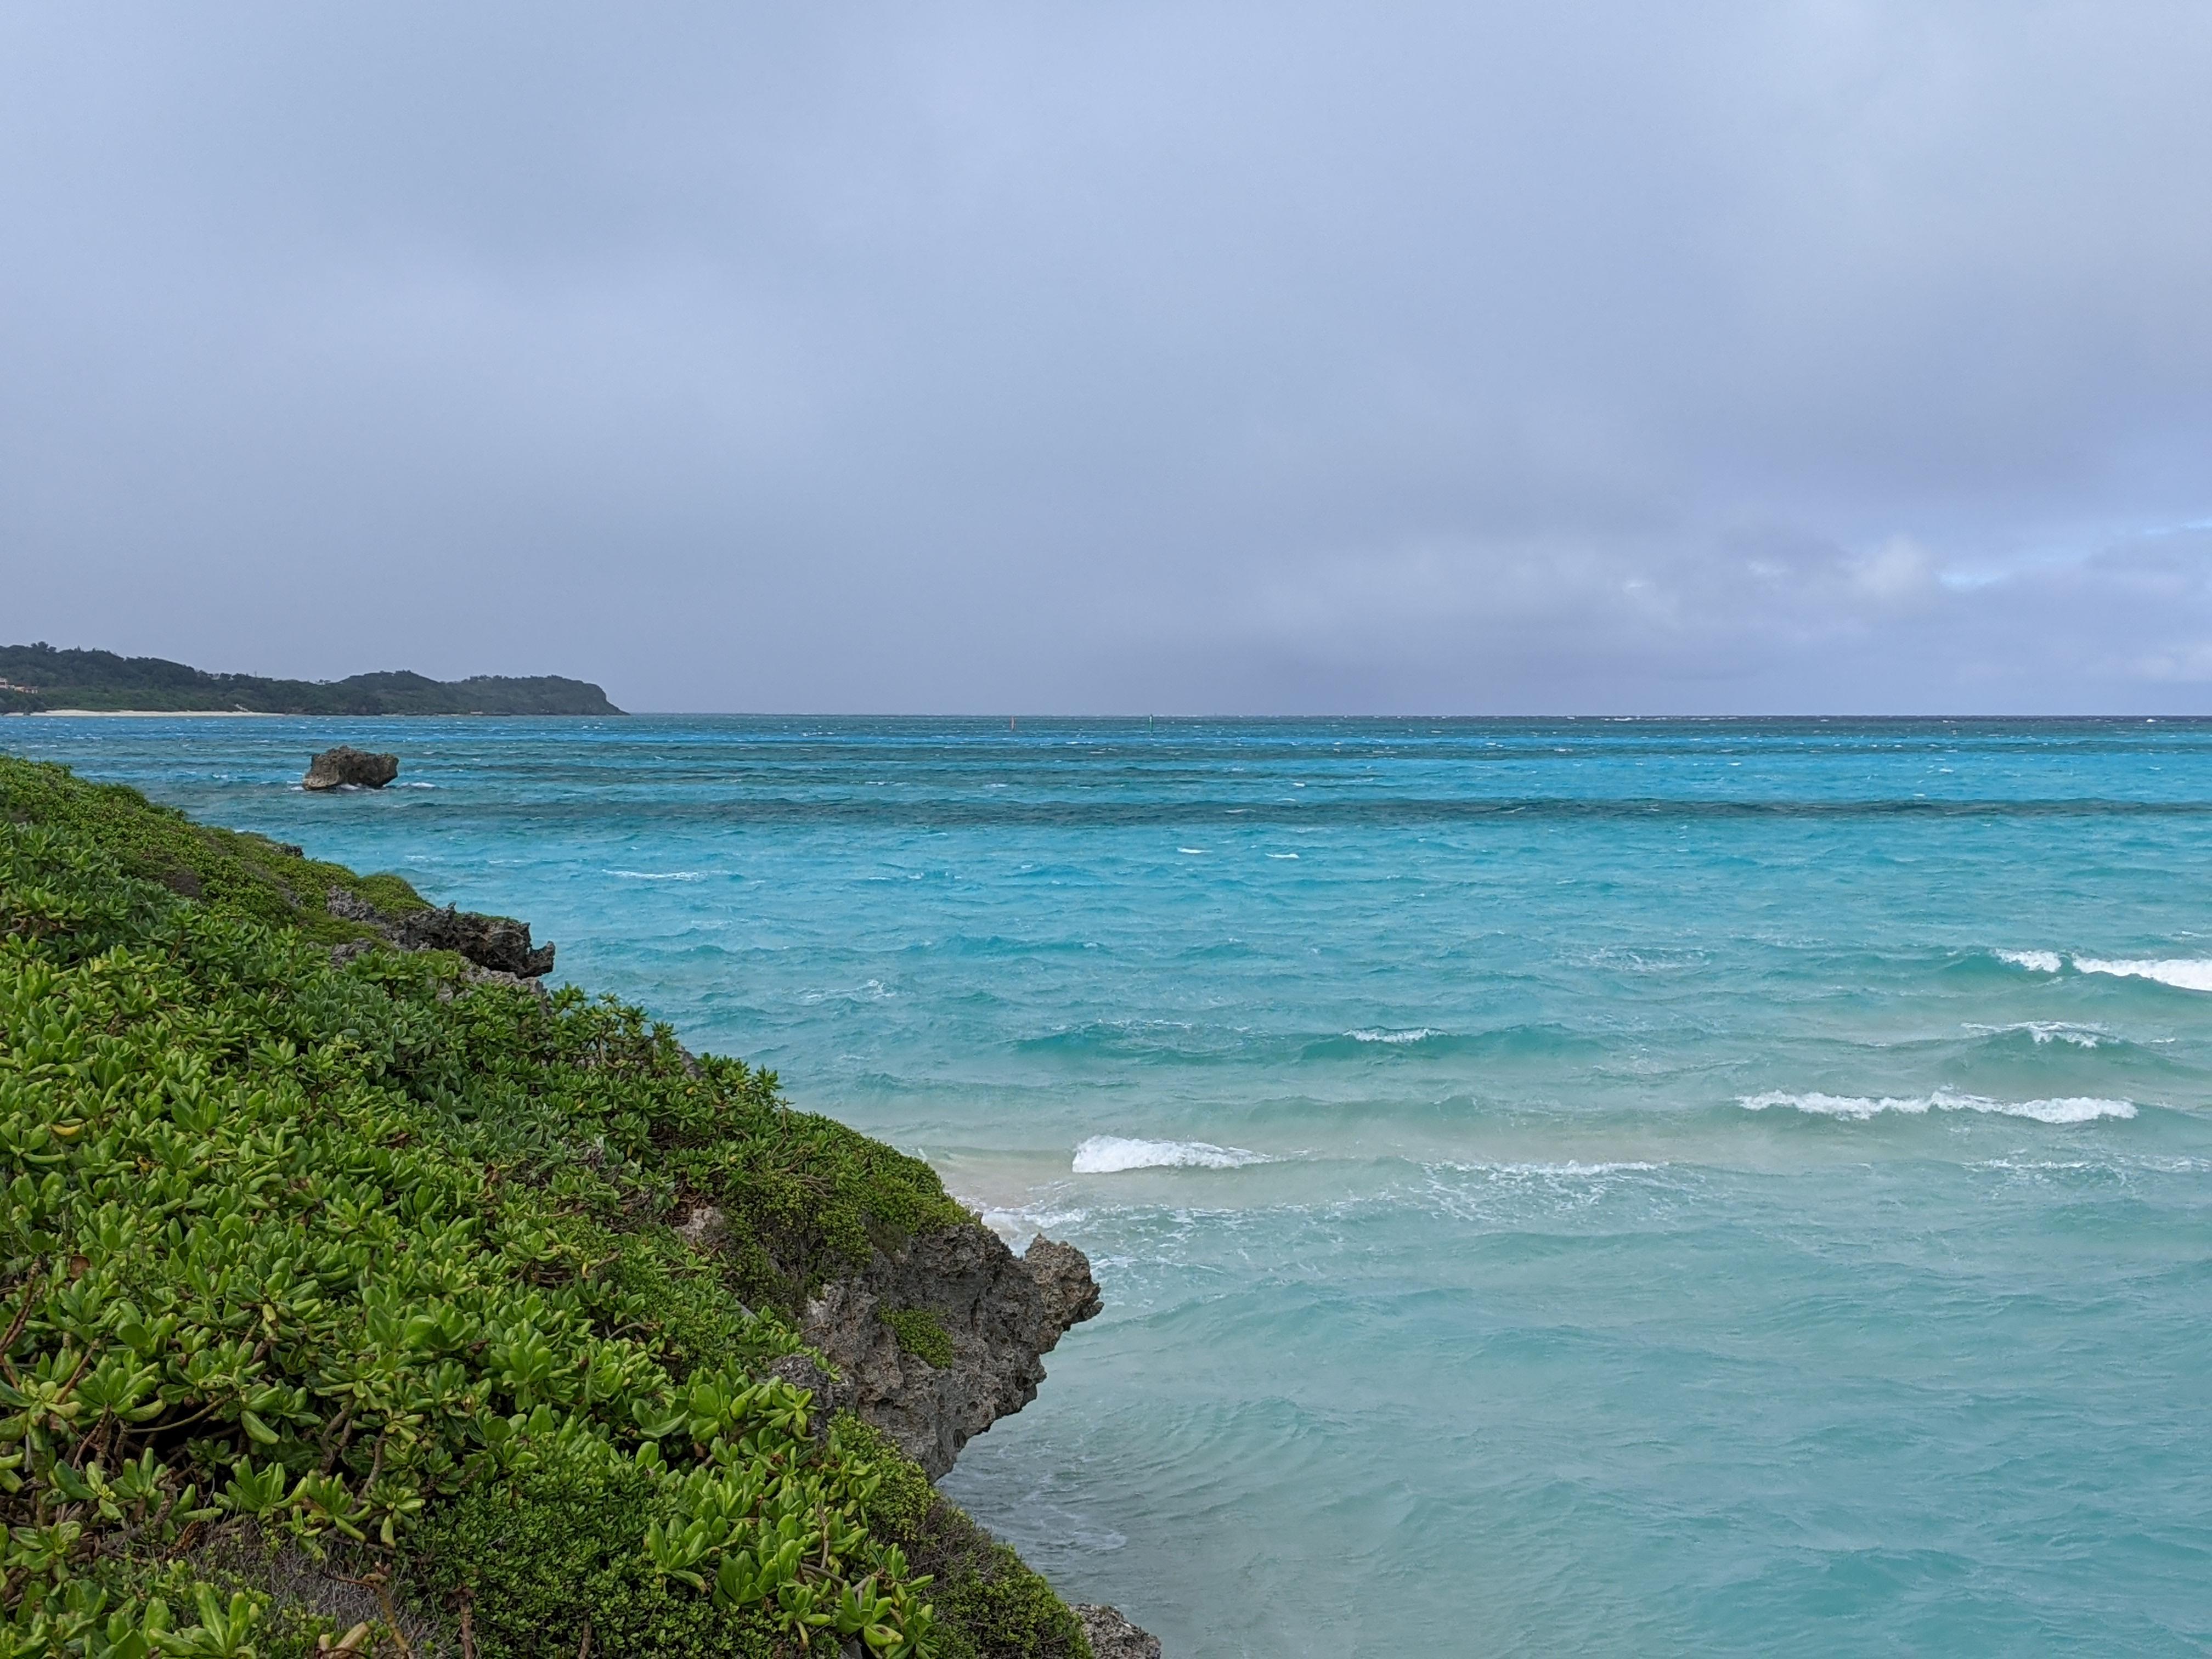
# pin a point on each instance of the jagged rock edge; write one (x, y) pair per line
(1007, 1312)
(1003, 1313)
(497, 948)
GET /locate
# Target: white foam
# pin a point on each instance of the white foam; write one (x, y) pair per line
(2073, 1108)
(1418, 1034)
(1112, 1154)
(1282, 856)
(1570, 1167)
(2050, 1030)
(1193, 850)
(661, 875)
(2184, 973)
(869, 990)
(1017, 1226)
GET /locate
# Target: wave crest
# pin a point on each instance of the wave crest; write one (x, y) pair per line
(2073, 1108)
(2050, 1030)
(1112, 1154)
(2183, 973)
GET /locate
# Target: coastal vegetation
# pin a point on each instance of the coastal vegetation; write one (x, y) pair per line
(38, 676)
(921, 1333)
(344, 1306)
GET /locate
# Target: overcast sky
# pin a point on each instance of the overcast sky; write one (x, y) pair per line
(1273, 357)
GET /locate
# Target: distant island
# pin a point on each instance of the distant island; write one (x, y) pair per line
(39, 677)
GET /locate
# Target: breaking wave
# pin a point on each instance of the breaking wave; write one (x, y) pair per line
(2050, 1031)
(1112, 1154)
(2183, 973)
(2073, 1108)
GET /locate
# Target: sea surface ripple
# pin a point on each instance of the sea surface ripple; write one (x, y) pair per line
(1594, 1187)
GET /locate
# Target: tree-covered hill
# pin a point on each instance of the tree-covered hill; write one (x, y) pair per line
(340, 1309)
(39, 677)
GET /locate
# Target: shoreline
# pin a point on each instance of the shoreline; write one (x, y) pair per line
(151, 714)
(846, 1330)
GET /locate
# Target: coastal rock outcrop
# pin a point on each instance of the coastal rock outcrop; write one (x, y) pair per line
(337, 768)
(988, 1316)
(500, 942)
(1113, 1636)
(497, 945)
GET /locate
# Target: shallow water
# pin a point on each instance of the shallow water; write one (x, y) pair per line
(1602, 1187)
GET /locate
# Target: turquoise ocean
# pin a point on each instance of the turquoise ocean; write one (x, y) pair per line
(1582, 1187)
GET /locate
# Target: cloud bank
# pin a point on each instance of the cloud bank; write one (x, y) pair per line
(1205, 356)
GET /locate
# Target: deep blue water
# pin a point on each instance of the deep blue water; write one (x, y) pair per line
(1607, 1187)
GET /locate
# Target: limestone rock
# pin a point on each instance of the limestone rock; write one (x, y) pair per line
(499, 946)
(499, 943)
(1113, 1636)
(336, 769)
(1003, 1313)
(349, 906)
(1063, 1276)
(704, 1228)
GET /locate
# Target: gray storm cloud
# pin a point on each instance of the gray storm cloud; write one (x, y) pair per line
(1826, 356)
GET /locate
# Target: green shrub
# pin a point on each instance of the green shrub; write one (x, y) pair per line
(247, 874)
(545, 1557)
(364, 1258)
(921, 1333)
(991, 1604)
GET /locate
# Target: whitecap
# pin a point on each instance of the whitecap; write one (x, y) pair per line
(1193, 850)
(1018, 1225)
(869, 990)
(1282, 856)
(1568, 1168)
(2036, 961)
(2183, 973)
(2072, 1109)
(661, 875)
(1417, 1034)
(2050, 1031)
(1112, 1154)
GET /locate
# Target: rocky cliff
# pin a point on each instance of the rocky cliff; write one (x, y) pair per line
(931, 1342)
(496, 945)
(998, 1314)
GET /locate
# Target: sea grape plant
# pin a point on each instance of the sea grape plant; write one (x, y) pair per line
(312, 1249)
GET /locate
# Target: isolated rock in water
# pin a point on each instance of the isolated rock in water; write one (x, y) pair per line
(1113, 1636)
(499, 943)
(335, 768)
(1001, 1312)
